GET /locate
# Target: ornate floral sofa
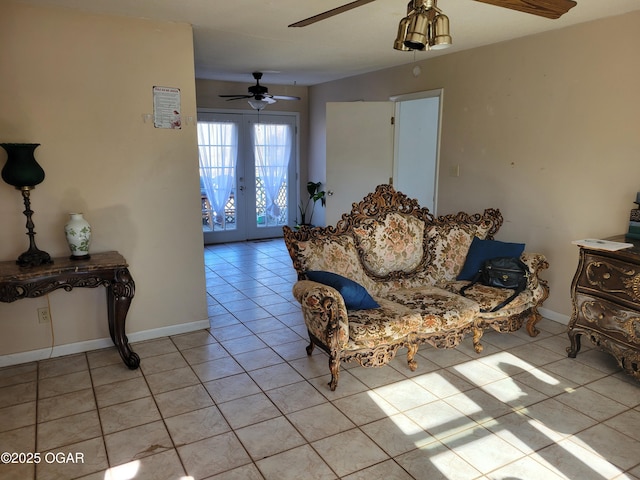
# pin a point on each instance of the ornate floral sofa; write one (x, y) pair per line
(408, 261)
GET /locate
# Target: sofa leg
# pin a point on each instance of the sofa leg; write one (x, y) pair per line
(310, 348)
(334, 366)
(534, 318)
(477, 335)
(412, 349)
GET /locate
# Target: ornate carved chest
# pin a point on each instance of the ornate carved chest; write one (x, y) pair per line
(606, 303)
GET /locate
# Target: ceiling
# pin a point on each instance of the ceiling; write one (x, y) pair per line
(233, 38)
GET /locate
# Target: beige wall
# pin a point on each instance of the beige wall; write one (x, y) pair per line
(80, 85)
(545, 128)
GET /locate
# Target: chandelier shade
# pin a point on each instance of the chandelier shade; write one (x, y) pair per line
(258, 104)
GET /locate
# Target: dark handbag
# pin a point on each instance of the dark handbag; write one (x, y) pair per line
(501, 272)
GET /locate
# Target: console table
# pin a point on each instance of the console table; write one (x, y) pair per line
(108, 269)
(605, 293)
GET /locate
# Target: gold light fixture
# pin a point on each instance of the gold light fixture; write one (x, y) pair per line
(424, 28)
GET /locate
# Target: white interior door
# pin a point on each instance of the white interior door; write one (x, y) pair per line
(417, 144)
(359, 153)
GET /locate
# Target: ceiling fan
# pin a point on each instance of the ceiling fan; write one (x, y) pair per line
(545, 8)
(259, 96)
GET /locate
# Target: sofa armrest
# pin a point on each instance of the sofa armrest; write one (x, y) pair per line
(536, 263)
(325, 313)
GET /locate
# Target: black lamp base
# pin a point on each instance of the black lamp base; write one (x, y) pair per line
(34, 257)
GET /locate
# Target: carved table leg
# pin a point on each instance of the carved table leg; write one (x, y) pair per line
(119, 295)
(574, 337)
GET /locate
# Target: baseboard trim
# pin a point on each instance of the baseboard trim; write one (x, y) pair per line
(555, 316)
(89, 345)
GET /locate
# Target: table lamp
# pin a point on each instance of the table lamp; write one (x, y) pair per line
(23, 172)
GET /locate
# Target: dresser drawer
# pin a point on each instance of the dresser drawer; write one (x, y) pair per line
(607, 318)
(611, 278)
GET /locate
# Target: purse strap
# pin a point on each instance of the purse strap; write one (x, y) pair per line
(511, 297)
(506, 301)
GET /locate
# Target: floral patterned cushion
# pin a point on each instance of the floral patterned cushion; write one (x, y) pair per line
(441, 310)
(393, 244)
(336, 254)
(385, 325)
(449, 245)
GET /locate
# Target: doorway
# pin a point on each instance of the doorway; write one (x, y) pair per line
(417, 145)
(247, 174)
(369, 143)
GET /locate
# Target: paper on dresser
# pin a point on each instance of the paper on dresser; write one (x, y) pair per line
(598, 244)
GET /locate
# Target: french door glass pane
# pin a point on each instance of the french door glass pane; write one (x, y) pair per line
(272, 153)
(218, 153)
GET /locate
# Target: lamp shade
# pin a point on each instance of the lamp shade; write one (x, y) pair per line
(21, 169)
(417, 32)
(403, 28)
(442, 38)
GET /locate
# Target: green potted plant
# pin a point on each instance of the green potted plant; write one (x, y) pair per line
(307, 208)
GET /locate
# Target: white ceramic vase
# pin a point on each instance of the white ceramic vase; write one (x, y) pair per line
(78, 233)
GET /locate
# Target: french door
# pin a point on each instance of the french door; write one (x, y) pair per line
(247, 174)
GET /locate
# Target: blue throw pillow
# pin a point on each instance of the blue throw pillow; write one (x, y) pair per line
(355, 295)
(481, 250)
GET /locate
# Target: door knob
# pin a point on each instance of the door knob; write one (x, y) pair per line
(330, 192)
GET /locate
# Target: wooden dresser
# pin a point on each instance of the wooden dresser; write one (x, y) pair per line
(606, 303)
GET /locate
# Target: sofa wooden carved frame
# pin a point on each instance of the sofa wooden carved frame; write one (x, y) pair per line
(371, 209)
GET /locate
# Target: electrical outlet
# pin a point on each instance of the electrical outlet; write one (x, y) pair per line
(44, 316)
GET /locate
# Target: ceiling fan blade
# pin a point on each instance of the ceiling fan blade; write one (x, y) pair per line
(544, 8)
(235, 97)
(330, 13)
(285, 97)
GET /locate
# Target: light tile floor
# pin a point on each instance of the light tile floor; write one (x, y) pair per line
(243, 401)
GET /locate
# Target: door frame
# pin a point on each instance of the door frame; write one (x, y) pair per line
(243, 234)
(398, 99)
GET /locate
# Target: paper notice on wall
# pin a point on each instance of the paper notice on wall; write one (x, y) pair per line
(166, 107)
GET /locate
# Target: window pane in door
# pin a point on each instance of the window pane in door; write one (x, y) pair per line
(272, 152)
(218, 155)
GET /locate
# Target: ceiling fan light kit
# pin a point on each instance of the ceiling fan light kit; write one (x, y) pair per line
(424, 28)
(257, 104)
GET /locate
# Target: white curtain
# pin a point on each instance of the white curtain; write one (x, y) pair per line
(218, 152)
(272, 143)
